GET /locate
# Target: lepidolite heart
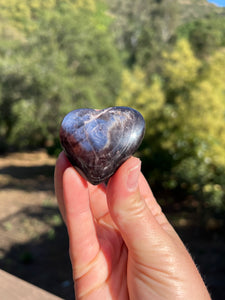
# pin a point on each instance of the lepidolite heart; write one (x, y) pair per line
(97, 142)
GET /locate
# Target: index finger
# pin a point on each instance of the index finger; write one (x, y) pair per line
(62, 164)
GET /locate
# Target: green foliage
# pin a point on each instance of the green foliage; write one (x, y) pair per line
(148, 99)
(143, 28)
(67, 61)
(181, 66)
(56, 56)
(197, 9)
(205, 35)
(184, 111)
(25, 15)
(197, 141)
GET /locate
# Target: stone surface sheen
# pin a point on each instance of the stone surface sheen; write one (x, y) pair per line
(97, 142)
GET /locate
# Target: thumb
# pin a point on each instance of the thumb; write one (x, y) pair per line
(155, 251)
(130, 212)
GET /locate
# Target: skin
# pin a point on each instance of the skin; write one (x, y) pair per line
(121, 244)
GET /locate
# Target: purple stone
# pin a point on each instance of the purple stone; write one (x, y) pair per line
(97, 142)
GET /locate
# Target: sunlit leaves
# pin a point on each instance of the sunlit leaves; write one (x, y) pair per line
(184, 109)
(147, 98)
(67, 60)
(181, 66)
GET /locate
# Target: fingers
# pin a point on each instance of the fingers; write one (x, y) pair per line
(154, 207)
(97, 195)
(84, 244)
(61, 165)
(73, 199)
(98, 202)
(129, 210)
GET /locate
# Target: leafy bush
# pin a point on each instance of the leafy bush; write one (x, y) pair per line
(184, 111)
(66, 61)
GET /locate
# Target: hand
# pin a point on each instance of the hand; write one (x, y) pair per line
(121, 244)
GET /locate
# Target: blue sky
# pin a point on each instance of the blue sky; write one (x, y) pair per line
(218, 2)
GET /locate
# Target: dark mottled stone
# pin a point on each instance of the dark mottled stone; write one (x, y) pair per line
(97, 142)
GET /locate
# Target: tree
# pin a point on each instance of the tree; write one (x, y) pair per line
(205, 35)
(25, 15)
(143, 28)
(184, 111)
(147, 98)
(197, 139)
(68, 61)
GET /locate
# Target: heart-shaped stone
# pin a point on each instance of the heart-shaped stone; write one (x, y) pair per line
(97, 142)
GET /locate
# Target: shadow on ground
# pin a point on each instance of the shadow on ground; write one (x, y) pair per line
(43, 260)
(28, 178)
(207, 249)
(33, 238)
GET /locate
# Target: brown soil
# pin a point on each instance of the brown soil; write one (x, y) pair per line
(33, 238)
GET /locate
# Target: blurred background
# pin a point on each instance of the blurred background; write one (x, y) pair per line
(166, 58)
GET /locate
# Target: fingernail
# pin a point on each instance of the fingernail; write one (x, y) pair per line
(133, 175)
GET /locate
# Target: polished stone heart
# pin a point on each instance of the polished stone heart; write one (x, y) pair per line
(97, 142)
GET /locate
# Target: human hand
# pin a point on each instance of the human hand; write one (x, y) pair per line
(121, 244)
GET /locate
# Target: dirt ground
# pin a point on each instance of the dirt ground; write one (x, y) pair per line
(33, 238)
